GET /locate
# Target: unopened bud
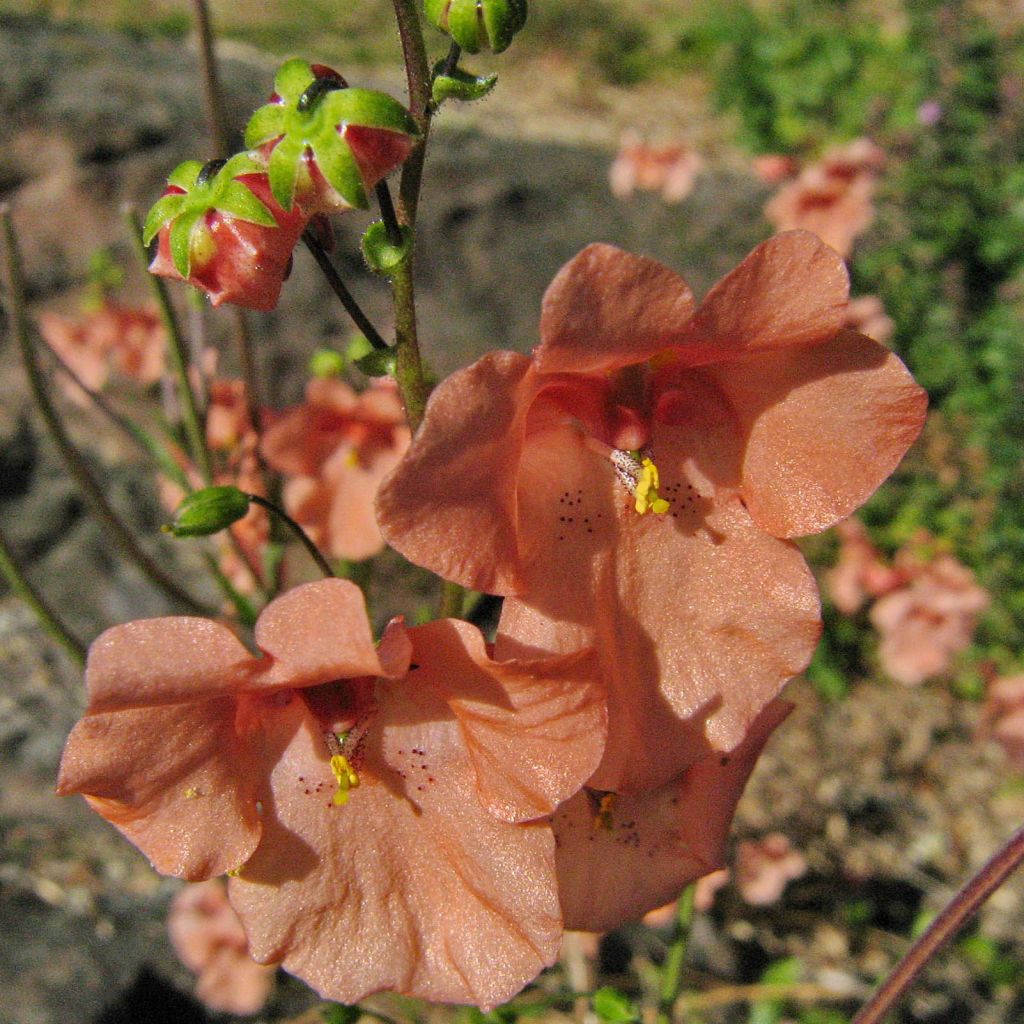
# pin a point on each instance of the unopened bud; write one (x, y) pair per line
(327, 362)
(478, 24)
(207, 511)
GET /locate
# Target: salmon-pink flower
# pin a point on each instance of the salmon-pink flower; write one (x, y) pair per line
(859, 573)
(130, 341)
(210, 941)
(639, 166)
(334, 450)
(774, 168)
(621, 856)
(630, 486)
(764, 868)
(867, 315)
(379, 808)
(924, 625)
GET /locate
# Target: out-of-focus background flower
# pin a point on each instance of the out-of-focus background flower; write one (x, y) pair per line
(687, 131)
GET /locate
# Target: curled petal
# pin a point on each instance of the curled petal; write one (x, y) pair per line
(607, 308)
(639, 854)
(826, 425)
(180, 782)
(534, 730)
(450, 506)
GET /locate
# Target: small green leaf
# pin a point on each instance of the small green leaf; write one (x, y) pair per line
(180, 241)
(265, 124)
(378, 363)
(292, 79)
(283, 170)
(460, 85)
(240, 202)
(339, 167)
(614, 1007)
(164, 209)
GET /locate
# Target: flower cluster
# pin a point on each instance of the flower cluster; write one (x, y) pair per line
(428, 813)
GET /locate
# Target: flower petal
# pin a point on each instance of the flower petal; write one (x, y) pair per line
(825, 424)
(316, 633)
(178, 781)
(450, 506)
(607, 308)
(651, 845)
(534, 730)
(412, 886)
(165, 661)
(791, 290)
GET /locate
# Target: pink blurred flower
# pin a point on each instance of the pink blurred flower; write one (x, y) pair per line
(761, 420)
(923, 626)
(671, 170)
(867, 315)
(380, 807)
(210, 941)
(334, 450)
(112, 338)
(1003, 717)
(859, 573)
(774, 168)
(764, 867)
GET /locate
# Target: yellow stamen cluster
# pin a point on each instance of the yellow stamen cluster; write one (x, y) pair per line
(346, 777)
(647, 497)
(603, 817)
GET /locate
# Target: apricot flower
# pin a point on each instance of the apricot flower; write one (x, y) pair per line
(632, 484)
(334, 450)
(376, 806)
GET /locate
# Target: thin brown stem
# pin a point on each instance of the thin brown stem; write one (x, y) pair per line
(953, 917)
(298, 531)
(387, 213)
(87, 483)
(211, 82)
(345, 297)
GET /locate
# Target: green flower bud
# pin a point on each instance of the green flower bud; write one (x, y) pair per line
(207, 511)
(478, 24)
(381, 254)
(327, 362)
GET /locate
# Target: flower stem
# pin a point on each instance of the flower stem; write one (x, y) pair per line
(387, 213)
(344, 295)
(194, 429)
(211, 81)
(47, 617)
(299, 532)
(952, 918)
(671, 972)
(77, 466)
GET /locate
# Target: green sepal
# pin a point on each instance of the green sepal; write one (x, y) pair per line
(292, 79)
(164, 209)
(208, 511)
(378, 363)
(266, 123)
(181, 240)
(184, 175)
(369, 109)
(464, 25)
(460, 85)
(283, 170)
(502, 20)
(241, 203)
(341, 171)
(381, 254)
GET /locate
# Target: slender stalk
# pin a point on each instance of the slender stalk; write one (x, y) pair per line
(211, 81)
(77, 466)
(193, 422)
(408, 366)
(953, 917)
(672, 971)
(725, 995)
(299, 532)
(387, 213)
(47, 617)
(344, 295)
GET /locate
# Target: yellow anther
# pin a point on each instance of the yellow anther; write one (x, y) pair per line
(346, 777)
(647, 497)
(603, 817)
(191, 793)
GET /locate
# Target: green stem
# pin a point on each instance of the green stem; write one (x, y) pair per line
(671, 974)
(193, 422)
(48, 619)
(90, 487)
(300, 533)
(359, 318)
(408, 366)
